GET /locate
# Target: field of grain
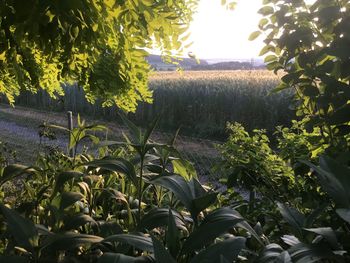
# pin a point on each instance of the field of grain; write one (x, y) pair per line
(201, 102)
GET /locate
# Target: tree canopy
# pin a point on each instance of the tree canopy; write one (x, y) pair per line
(100, 44)
(310, 43)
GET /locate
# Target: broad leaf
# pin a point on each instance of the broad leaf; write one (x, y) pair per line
(69, 241)
(22, 229)
(305, 253)
(119, 165)
(229, 249)
(149, 130)
(173, 235)
(120, 258)
(290, 240)
(344, 214)
(159, 217)
(184, 168)
(284, 257)
(270, 253)
(69, 198)
(179, 186)
(134, 130)
(191, 194)
(160, 253)
(334, 179)
(214, 224)
(77, 221)
(140, 242)
(254, 35)
(328, 234)
(63, 177)
(292, 217)
(14, 170)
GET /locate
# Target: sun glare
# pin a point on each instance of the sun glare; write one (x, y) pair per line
(223, 34)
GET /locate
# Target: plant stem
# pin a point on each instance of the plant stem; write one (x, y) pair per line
(140, 188)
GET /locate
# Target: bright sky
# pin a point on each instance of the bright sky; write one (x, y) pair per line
(220, 33)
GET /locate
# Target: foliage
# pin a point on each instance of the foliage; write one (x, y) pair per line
(7, 155)
(99, 44)
(250, 162)
(135, 208)
(310, 44)
(296, 143)
(148, 205)
(312, 207)
(116, 208)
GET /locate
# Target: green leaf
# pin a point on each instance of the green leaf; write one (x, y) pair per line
(328, 234)
(77, 221)
(178, 186)
(292, 217)
(280, 87)
(22, 229)
(254, 35)
(250, 230)
(191, 194)
(311, 218)
(150, 129)
(266, 49)
(344, 214)
(318, 252)
(14, 170)
(159, 217)
(160, 253)
(184, 168)
(173, 235)
(214, 224)
(290, 240)
(69, 198)
(340, 116)
(135, 131)
(229, 249)
(204, 201)
(266, 10)
(270, 253)
(270, 58)
(284, 257)
(63, 177)
(119, 165)
(138, 241)
(120, 258)
(109, 228)
(334, 179)
(69, 241)
(263, 22)
(310, 91)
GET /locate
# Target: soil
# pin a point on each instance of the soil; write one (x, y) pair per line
(19, 130)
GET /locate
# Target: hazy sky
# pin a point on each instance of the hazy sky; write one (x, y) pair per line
(220, 33)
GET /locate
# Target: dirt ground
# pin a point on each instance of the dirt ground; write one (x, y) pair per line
(19, 128)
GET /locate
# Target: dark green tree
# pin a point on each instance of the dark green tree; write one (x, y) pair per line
(310, 43)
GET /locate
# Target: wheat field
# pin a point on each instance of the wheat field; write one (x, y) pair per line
(200, 102)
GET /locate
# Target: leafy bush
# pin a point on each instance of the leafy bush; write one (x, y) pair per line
(250, 162)
(116, 208)
(147, 205)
